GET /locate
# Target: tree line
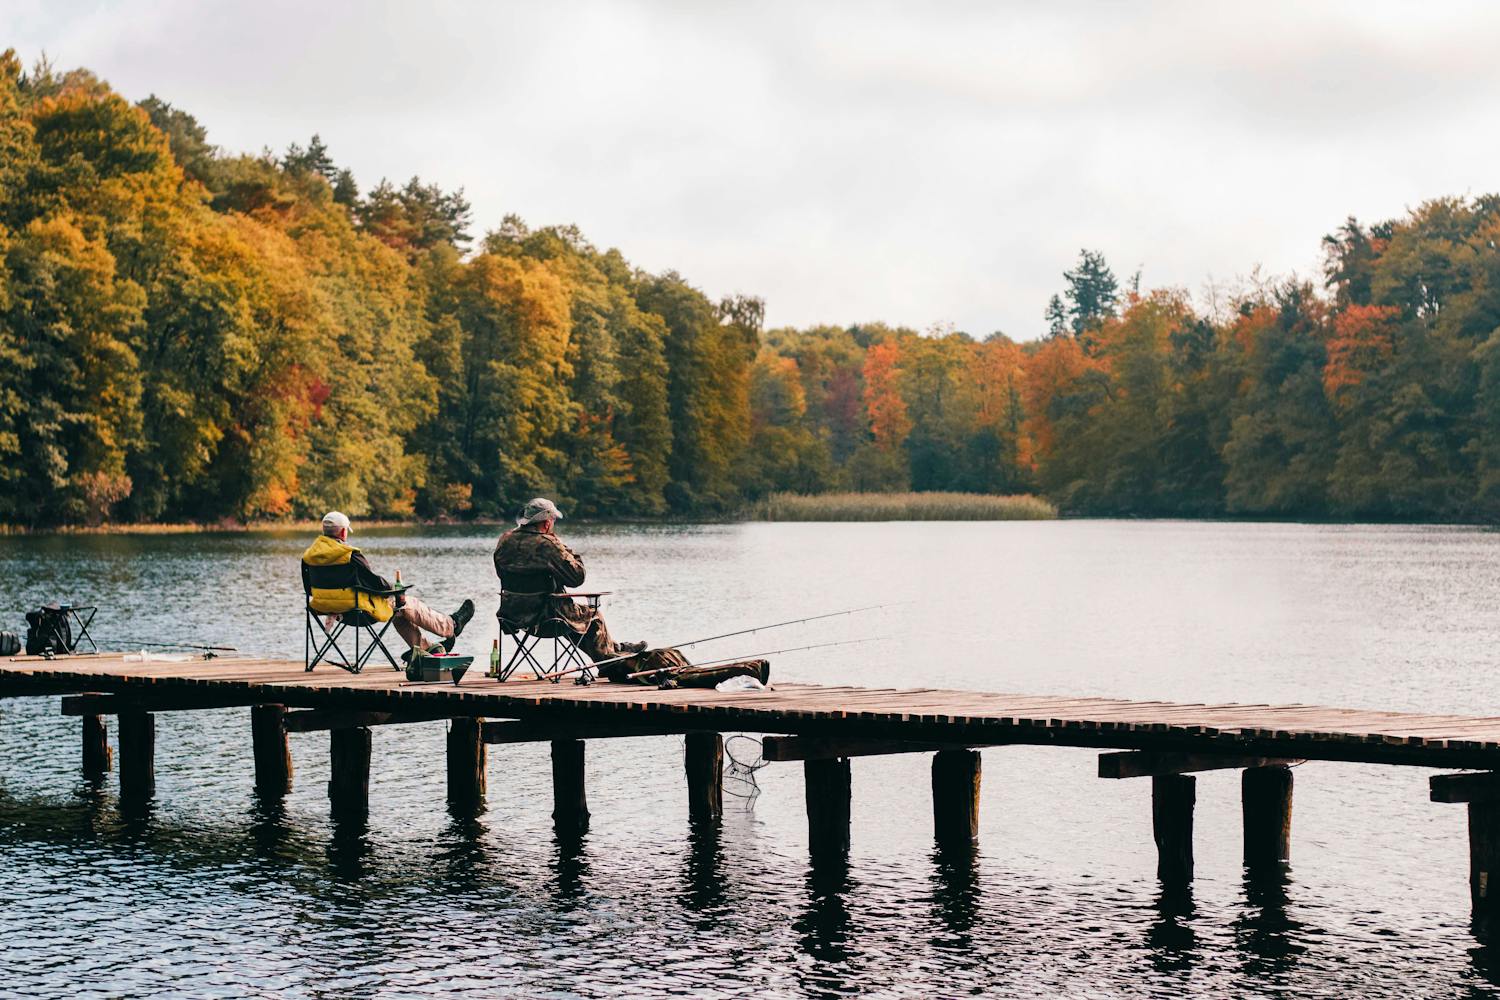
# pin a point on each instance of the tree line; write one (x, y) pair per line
(190, 334)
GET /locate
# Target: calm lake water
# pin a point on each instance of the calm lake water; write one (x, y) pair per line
(213, 895)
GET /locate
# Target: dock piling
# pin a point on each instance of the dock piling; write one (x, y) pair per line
(821, 726)
(137, 756)
(467, 755)
(1266, 803)
(570, 805)
(96, 756)
(349, 769)
(1484, 856)
(272, 750)
(1172, 800)
(703, 760)
(955, 796)
(828, 793)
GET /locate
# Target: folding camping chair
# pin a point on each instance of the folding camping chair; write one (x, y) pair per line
(546, 624)
(323, 643)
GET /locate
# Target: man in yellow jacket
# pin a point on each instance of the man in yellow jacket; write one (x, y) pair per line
(326, 578)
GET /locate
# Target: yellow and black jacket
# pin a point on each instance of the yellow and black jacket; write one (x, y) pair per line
(330, 572)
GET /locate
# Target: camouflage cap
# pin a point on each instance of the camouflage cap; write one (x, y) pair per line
(540, 509)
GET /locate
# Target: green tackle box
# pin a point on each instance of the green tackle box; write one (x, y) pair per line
(429, 667)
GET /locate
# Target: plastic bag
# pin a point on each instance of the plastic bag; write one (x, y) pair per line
(145, 657)
(740, 684)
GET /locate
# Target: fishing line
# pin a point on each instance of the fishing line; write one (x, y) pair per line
(795, 621)
(725, 635)
(754, 656)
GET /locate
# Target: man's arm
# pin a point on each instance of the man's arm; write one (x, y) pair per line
(366, 577)
(563, 564)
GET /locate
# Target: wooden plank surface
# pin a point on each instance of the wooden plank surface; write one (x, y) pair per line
(922, 715)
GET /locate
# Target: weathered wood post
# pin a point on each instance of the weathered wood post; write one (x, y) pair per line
(467, 754)
(272, 750)
(1484, 856)
(570, 804)
(96, 755)
(1266, 802)
(703, 760)
(955, 796)
(349, 769)
(828, 793)
(1172, 800)
(1482, 794)
(137, 756)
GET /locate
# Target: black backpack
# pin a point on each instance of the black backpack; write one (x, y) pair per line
(48, 631)
(10, 644)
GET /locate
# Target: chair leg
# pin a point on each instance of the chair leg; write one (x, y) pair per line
(515, 658)
(574, 657)
(329, 642)
(528, 650)
(333, 648)
(377, 641)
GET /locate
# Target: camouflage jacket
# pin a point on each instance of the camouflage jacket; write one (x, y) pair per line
(532, 565)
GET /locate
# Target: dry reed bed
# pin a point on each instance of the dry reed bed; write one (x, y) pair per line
(901, 507)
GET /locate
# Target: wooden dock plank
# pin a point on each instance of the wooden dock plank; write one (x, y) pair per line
(925, 715)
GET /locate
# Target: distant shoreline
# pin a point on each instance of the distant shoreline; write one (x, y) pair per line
(750, 515)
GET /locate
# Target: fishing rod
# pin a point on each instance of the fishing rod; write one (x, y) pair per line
(725, 635)
(795, 621)
(179, 645)
(756, 656)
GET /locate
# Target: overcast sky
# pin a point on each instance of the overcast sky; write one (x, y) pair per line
(922, 163)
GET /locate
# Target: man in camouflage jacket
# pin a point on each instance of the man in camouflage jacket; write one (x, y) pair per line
(533, 564)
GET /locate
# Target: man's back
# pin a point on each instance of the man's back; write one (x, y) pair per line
(331, 569)
(531, 564)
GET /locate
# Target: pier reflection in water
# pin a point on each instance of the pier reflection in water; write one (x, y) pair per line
(209, 891)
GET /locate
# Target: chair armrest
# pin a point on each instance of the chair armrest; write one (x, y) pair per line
(395, 591)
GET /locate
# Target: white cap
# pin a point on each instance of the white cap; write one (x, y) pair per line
(335, 520)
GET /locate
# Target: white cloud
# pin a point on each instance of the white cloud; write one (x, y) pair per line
(906, 162)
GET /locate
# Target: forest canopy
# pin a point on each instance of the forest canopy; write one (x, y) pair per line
(193, 334)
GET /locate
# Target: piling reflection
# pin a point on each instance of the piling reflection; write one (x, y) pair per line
(822, 928)
(955, 892)
(1484, 956)
(1267, 937)
(135, 810)
(465, 858)
(270, 829)
(703, 875)
(1170, 939)
(570, 867)
(349, 846)
(95, 808)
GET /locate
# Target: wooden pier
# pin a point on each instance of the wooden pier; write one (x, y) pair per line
(822, 726)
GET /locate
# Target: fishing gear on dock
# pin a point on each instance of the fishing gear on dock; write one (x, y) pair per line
(208, 652)
(590, 667)
(794, 621)
(752, 658)
(740, 773)
(58, 629)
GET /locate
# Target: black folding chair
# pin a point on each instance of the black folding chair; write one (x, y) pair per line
(528, 636)
(323, 643)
